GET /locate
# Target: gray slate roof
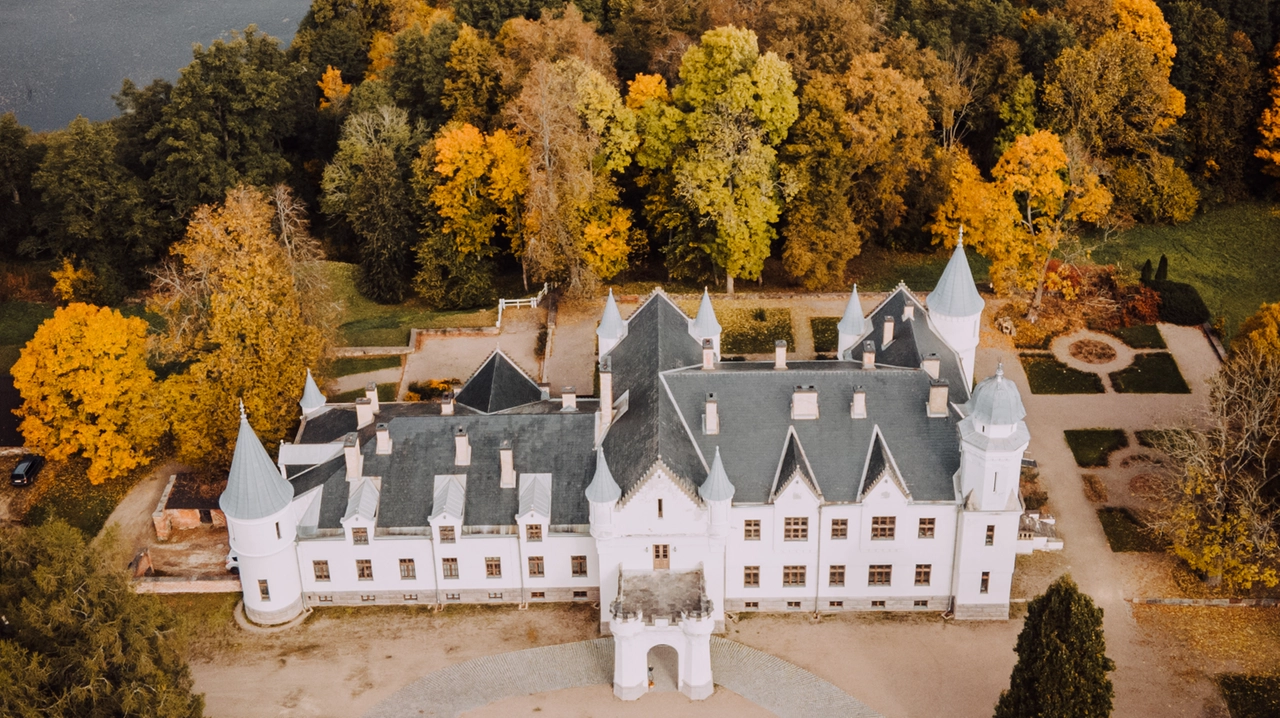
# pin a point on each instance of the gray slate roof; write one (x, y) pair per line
(956, 294)
(996, 400)
(717, 487)
(705, 324)
(312, 398)
(255, 488)
(611, 326)
(852, 322)
(497, 386)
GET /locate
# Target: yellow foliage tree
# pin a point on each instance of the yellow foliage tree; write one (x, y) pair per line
(1262, 331)
(72, 283)
(482, 180)
(333, 90)
(1269, 127)
(647, 87)
(381, 49)
(1144, 20)
(87, 390)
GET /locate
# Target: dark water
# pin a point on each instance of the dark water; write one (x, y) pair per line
(61, 58)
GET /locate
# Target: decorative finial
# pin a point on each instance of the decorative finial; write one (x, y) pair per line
(960, 241)
(242, 414)
(1000, 371)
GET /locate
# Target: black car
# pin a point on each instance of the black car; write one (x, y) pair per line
(25, 472)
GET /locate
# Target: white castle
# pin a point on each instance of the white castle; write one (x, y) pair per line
(689, 487)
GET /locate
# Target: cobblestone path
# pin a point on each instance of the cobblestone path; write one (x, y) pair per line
(772, 683)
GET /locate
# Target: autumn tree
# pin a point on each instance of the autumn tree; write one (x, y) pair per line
(553, 37)
(367, 185)
(849, 157)
(1062, 662)
(1215, 502)
(818, 36)
(94, 209)
(1261, 332)
(333, 91)
(1269, 126)
(77, 640)
(580, 135)
(234, 311)
(416, 77)
(490, 15)
(652, 35)
(226, 119)
(86, 390)
(471, 84)
(468, 183)
(1018, 113)
(19, 201)
(718, 139)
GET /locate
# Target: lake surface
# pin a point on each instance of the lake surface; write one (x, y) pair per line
(62, 58)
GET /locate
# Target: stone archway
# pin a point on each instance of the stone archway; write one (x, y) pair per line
(664, 668)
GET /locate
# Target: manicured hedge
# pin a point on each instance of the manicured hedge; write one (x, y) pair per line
(1154, 373)
(1093, 447)
(826, 337)
(1047, 375)
(754, 331)
(1180, 303)
(1140, 336)
(1250, 696)
(1124, 533)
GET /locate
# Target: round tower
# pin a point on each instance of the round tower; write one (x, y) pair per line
(955, 309)
(717, 491)
(262, 530)
(993, 437)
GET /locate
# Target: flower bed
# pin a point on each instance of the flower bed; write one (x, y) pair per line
(747, 330)
(1093, 447)
(1154, 373)
(1140, 336)
(1125, 533)
(1047, 375)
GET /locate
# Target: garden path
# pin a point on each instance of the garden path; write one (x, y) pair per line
(1145, 682)
(458, 357)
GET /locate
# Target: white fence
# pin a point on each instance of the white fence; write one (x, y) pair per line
(527, 302)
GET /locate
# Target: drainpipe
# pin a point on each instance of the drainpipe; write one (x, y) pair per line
(520, 568)
(436, 567)
(955, 560)
(817, 583)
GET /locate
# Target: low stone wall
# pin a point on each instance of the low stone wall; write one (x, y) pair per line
(1241, 602)
(358, 352)
(982, 612)
(184, 584)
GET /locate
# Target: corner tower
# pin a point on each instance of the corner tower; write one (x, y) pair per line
(955, 309)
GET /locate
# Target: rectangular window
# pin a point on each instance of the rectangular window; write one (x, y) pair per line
(322, 570)
(795, 528)
(882, 527)
(538, 594)
(263, 591)
(926, 528)
(880, 575)
(839, 528)
(446, 534)
(659, 508)
(533, 532)
(408, 571)
(278, 530)
(924, 572)
(751, 576)
(450, 567)
(493, 567)
(326, 599)
(991, 535)
(835, 604)
(364, 569)
(206, 516)
(986, 582)
(837, 576)
(411, 597)
(751, 530)
(877, 604)
(793, 605)
(495, 596)
(793, 575)
(661, 556)
(360, 536)
(368, 598)
(536, 567)
(922, 604)
(453, 597)
(579, 595)
(751, 604)
(579, 566)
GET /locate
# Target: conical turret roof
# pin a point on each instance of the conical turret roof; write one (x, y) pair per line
(312, 398)
(996, 400)
(611, 325)
(255, 488)
(852, 323)
(603, 488)
(705, 324)
(717, 486)
(956, 295)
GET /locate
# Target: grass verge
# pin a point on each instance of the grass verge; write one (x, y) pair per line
(386, 392)
(749, 330)
(1047, 375)
(346, 366)
(1124, 533)
(366, 323)
(1154, 373)
(1140, 336)
(1249, 696)
(826, 337)
(1093, 447)
(62, 490)
(879, 270)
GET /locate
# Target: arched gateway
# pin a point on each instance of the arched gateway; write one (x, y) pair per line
(661, 608)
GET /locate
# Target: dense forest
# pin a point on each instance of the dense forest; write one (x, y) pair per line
(439, 146)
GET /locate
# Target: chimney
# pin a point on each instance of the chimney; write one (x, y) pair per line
(858, 409)
(364, 412)
(908, 312)
(462, 448)
(780, 354)
(606, 391)
(371, 392)
(711, 418)
(804, 403)
(446, 403)
(931, 365)
(507, 460)
(384, 439)
(937, 398)
(708, 355)
(568, 399)
(868, 355)
(545, 390)
(887, 339)
(351, 450)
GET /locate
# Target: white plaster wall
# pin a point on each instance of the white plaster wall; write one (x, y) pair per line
(975, 557)
(385, 553)
(264, 555)
(990, 475)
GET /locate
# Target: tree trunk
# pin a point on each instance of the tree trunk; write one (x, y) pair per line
(1033, 312)
(729, 283)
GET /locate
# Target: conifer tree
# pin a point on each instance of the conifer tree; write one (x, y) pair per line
(1062, 663)
(1162, 269)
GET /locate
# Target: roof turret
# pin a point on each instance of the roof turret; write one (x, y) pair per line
(312, 398)
(717, 486)
(996, 401)
(255, 488)
(705, 324)
(956, 295)
(852, 323)
(611, 325)
(603, 488)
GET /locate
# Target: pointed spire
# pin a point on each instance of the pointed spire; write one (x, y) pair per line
(956, 294)
(603, 488)
(852, 323)
(255, 488)
(611, 325)
(705, 325)
(717, 487)
(312, 399)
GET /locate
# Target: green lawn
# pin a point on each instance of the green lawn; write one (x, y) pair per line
(366, 323)
(18, 322)
(754, 331)
(1230, 254)
(826, 337)
(1250, 696)
(1153, 373)
(1124, 533)
(1093, 447)
(1047, 375)
(346, 366)
(62, 489)
(386, 392)
(879, 270)
(1141, 336)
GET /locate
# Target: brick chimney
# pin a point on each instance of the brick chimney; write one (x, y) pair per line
(708, 355)
(931, 365)
(858, 409)
(937, 398)
(780, 354)
(351, 451)
(868, 355)
(446, 403)
(568, 399)
(711, 417)
(887, 338)
(384, 439)
(506, 459)
(804, 403)
(606, 391)
(461, 447)
(364, 412)
(371, 393)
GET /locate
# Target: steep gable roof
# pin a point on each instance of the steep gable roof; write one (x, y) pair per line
(881, 465)
(792, 463)
(498, 385)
